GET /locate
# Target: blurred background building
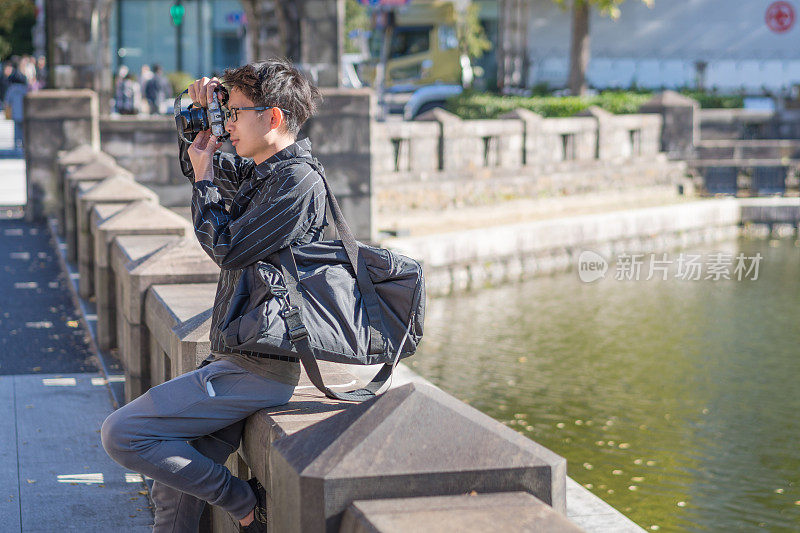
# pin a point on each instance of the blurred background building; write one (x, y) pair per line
(142, 32)
(745, 46)
(749, 45)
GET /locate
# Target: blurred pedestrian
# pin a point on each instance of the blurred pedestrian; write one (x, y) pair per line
(7, 70)
(41, 73)
(27, 66)
(157, 90)
(145, 75)
(15, 93)
(128, 95)
(122, 71)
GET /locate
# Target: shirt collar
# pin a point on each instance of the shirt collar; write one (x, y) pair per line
(299, 149)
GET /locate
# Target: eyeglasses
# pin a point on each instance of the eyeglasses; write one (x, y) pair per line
(232, 113)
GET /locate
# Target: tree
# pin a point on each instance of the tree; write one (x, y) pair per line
(579, 45)
(472, 38)
(356, 18)
(15, 27)
(272, 29)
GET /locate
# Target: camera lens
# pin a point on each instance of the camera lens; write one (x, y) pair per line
(194, 120)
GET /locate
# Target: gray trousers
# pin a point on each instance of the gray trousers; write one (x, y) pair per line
(181, 432)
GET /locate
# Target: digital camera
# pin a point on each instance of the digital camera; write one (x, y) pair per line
(195, 119)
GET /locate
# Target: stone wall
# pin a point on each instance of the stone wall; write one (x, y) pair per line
(54, 120)
(439, 140)
(475, 258)
(552, 140)
(147, 146)
(376, 166)
(341, 135)
(720, 124)
(680, 120)
(321, 40)
(78, 49)
(310, 33)
(443, 161)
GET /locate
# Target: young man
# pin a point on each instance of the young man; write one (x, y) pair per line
(244, 207)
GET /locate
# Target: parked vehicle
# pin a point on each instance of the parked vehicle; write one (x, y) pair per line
(426, 98)
(423, 48)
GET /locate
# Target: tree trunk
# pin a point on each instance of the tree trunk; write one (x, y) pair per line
(579, 49)
(267, 31)
(253, 30)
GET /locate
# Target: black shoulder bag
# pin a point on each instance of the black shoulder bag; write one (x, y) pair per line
(337, 300)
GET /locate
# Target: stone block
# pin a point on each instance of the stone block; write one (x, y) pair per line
(680, 128)
(345, 154)
(178, 319)
(139, 218)
(68, 161)
(179, 261)
(307, 407)
(114, 189)
(91, 172)
(393, 447)
(176, 262)
(83, 154)
(504, 511)
(70, 219)
(132, 249)
(54, 121)
(102, 277)
(61, 104)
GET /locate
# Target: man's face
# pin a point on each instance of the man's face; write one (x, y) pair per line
(248, 133)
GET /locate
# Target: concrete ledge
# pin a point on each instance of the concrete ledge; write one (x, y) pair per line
(68, 161)
(81, 155)
(593, 514)
(461, 260)
(126, 253)
(114, 189)
(503, 511)
(770, 210)
(104, 280)
(178, 318)
(176, 262)
(138, 218)
(61, 104)
(88, 174)
(390, 447)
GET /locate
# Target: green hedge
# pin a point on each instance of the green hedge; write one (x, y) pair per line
(716, 101)
(474, 105)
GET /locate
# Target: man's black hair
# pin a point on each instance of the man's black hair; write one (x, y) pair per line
(278, 83)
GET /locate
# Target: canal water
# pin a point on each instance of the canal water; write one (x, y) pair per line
(677, 401)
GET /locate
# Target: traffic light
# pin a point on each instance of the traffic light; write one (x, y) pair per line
(177, 11)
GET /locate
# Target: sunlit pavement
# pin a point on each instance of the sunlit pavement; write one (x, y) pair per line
(59, 476)
(54, 473)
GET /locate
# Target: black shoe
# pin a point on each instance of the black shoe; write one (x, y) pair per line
(259, 523)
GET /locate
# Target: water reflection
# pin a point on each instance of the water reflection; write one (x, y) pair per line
(675, 401)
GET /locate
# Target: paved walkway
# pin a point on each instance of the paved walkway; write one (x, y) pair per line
(54, 473)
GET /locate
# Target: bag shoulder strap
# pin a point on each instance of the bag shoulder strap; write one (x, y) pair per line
(365, 285)
(298, 334)
(293, 317)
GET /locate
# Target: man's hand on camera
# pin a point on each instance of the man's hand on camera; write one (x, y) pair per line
(201, 90)
(201, 154)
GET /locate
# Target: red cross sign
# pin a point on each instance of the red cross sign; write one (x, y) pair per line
(780, 16)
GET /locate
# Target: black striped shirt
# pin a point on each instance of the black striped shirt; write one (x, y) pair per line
(250, 211)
